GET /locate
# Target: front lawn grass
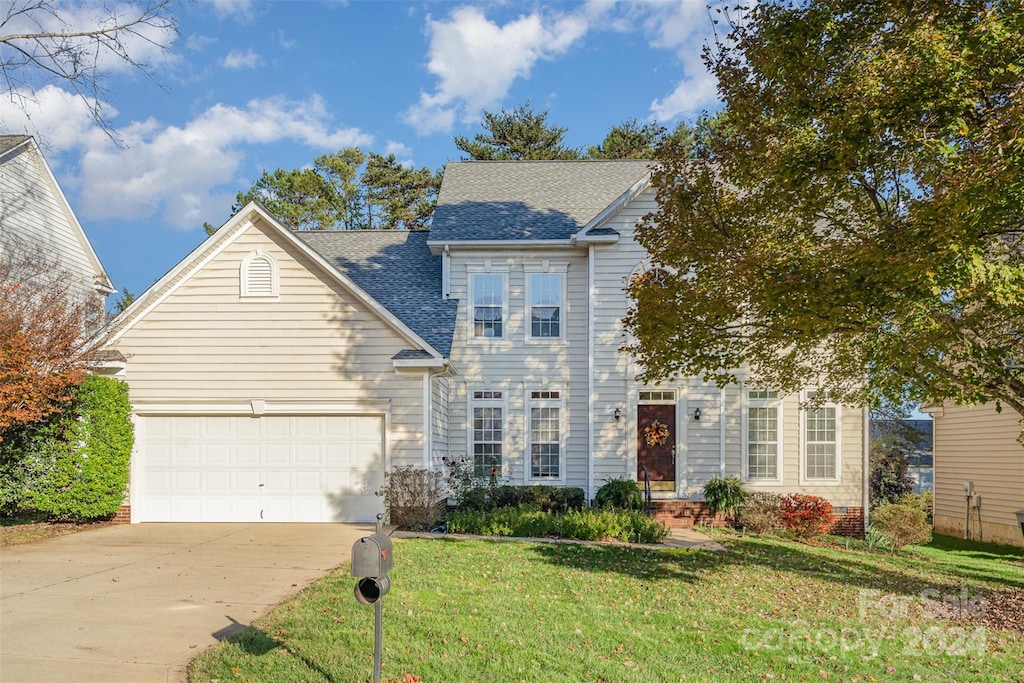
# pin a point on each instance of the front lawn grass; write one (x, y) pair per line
(490, 611)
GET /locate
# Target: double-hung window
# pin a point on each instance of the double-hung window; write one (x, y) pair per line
(489, 305)
(763, 435)
(545, 411)
(821, 441)
(488, 432)
(545, 305)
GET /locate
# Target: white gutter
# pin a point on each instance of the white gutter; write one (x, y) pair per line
(590, 373)
(721, 431)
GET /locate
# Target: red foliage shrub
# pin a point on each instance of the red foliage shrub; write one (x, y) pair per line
(806, 516)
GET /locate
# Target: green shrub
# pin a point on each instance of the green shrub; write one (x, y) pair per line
(413, 498)
(80, 458)
(724, 496)
(761, 513)
(925, 502)
(467, 490)
(584, 524)
(876, 539)
(554, 498)
(619, 494)
(16, 469)
(902, 525)
(806, 516)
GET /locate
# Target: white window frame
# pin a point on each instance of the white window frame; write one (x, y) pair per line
(243, 277)
(830, 481)
(532, 402)
(545, 268)
(471, 312)
(501, 401)
(750, 402)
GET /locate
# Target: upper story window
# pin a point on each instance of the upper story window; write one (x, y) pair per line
(489, 305)
(258, 276)
(545, 305)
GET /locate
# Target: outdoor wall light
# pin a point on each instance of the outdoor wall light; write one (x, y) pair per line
(618, 414)
(696, 414)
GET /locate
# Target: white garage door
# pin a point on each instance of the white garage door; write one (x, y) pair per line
(269, 468)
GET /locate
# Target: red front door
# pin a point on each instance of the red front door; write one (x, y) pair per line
(656, 445)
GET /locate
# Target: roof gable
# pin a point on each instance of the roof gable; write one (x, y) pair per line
(251, 215)
(528, 200)
(19, 153)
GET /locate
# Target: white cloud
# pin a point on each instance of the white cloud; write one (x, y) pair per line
(145, 43)
(397, 148)
(684, 27)
(476, 61)
(241, 59)
(196, 42)
(242, 11)
(184, 174)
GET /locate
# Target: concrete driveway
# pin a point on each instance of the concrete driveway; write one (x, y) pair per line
(137, 602)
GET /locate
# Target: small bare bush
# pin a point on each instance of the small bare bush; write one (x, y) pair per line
(414, 498)
(761, 513)
(902, 525)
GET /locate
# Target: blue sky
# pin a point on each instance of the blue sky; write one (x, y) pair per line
(248, 86)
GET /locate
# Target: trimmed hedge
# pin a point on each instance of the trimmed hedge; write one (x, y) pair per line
(584, 524)
(76, 464)
(547, 498)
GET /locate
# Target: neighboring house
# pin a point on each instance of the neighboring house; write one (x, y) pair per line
(277, 375)
(978, 446)
(919, 453)
(37, 222)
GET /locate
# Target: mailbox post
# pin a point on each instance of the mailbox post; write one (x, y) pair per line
(372, 559)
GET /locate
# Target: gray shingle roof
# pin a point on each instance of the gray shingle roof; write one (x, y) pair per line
(396, 268)
(527, 200)
(11, 141)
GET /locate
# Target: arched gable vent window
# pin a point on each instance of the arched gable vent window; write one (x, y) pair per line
(259, 275)
(655, 274)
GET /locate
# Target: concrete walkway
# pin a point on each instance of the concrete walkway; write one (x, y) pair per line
(138, 602)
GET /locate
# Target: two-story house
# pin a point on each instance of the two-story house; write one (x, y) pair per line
(277, 375)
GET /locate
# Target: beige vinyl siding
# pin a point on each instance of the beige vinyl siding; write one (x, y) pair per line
(439, 419)
(979, 445)
(33, 216)
(316, 342)
(515, 365)
(700, 448)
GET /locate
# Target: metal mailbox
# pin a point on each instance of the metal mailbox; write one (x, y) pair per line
(372, 556)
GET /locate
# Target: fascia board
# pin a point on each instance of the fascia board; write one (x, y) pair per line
(613, 208)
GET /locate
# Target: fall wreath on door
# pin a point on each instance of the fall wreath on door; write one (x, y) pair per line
(656, 433)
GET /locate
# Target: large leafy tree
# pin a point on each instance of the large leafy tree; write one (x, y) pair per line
(346, 190)
(519, 134)
(853, 217)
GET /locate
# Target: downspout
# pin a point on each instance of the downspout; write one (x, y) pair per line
(428, 427)
(446, 273)
(590, 373)
(721, 431)
(867, 469)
